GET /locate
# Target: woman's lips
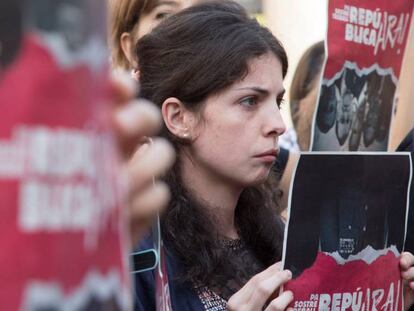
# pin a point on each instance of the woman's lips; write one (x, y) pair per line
(268, 156)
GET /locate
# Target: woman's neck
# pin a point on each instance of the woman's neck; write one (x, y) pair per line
(221, 197)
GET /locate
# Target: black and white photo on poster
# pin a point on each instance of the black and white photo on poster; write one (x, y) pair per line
(71, 36)
(354, 110)
(345, 202)
(365, 46)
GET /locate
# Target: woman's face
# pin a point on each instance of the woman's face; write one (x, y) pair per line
(236, 135)
(147, 21)
(163, 9)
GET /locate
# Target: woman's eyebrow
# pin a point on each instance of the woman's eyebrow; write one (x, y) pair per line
(254, 88)
(166, 2)
(261, 90)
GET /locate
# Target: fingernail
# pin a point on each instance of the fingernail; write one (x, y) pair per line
(125, 80)
(163, 147)
(288, 274)
(142, 148)
(133, 113)
(128, 117)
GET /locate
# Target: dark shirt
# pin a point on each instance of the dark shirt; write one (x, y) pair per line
(193, 296)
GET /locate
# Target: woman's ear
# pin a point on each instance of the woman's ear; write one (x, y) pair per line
(179, 120)
(126, 45)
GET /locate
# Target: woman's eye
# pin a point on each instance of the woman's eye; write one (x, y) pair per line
(249, 101)
(161, 15)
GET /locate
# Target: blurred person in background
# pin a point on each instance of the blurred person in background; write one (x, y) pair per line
(129, 20)
(302, 100)
(304, 92)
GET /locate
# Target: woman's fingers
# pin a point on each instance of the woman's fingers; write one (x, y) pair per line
(407, 267)
(407, 273)
(122, 88)
(131, 119)
(134, 121)
(149, 162)
(267, 287)
(258, 290)
(406, 260)
(280, 303)
(138, 118)
(145, 206)
(244, 294)
(147, 196)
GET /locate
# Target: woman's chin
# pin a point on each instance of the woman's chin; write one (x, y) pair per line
(258, 179)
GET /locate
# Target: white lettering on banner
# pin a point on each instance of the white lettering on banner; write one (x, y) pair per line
(346, 301)
(380, 30)
(56, 207)
(360, 300)
(388, 305)
(360, 34)
(65, 178)
(63, 153)
(341, 14)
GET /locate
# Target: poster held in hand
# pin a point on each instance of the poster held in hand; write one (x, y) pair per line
(346, 230)
(365, 46)
(62, 240)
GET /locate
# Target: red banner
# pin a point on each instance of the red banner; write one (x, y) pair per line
(61, 227)
(367, 33)
(365, 43)
(355, 288)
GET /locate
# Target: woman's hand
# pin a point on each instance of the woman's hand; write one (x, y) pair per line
(407, 273)
(134, 120)
(261, 290)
